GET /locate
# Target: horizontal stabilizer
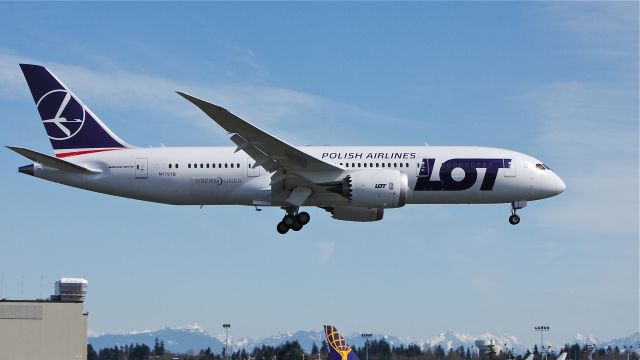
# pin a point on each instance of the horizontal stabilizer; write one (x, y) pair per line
(52, 162)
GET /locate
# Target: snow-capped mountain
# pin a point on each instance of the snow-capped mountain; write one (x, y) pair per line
(180, 340)
(194, 338)
(631, 340)
(586, 339)
(452, 340)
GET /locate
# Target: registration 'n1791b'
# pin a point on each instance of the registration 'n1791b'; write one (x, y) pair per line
(353, 183)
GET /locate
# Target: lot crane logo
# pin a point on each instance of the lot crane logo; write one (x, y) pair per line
(63, 116)
(337, 342)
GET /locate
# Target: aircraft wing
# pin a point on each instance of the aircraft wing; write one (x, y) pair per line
(52, 162)
(267, 150)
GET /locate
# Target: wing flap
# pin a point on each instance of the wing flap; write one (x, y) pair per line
(52, 162)
(261, 159)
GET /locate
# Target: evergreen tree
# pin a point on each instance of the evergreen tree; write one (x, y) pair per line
(91, 354)
(156, 347)
(314, 348)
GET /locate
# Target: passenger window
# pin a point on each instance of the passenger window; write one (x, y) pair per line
(213, 165)
(225, 165)
(377, 164)
(232, 165)
(353, 164)
(400, 164)
(370, 164)
(407, 164)
(238, 165)
(176, 166)
(359, 164)
(395, 164)
(347, 164)
(189, 165)
(169, 166)
(137, 167)
(207, 165)
(382, 164)
(365, 164)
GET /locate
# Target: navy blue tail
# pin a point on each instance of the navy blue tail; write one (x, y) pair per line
(72, 128)
(338, 347)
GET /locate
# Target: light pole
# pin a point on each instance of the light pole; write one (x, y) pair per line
(366, 337)
(590, 349)
(628, 351)
(226, 343)
(542, 329)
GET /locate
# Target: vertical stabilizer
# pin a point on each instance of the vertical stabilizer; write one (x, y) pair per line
(338, 347)
(72, 128)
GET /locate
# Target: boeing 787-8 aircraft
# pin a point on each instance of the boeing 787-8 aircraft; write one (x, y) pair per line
(353, 183)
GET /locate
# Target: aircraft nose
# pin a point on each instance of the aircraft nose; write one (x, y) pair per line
(560, 185)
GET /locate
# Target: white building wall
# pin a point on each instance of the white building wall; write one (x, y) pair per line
(42, 330)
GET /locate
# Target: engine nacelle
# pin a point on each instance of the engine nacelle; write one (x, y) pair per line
(356, 213)
(375, 188)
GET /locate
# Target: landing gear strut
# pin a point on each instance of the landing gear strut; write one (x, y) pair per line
(293, 220)
(514, 219)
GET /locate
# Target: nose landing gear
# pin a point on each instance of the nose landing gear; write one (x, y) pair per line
(293, 220)
(514, 219)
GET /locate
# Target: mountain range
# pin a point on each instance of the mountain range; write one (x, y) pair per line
(192, 338)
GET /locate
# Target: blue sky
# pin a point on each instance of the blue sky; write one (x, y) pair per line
(558, 81)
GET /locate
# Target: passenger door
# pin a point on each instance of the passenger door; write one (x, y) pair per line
(141, 168)
(422, 166)
(509, 167)
(251, 172)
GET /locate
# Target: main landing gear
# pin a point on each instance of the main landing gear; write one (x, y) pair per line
(293, 220)
(514, 219)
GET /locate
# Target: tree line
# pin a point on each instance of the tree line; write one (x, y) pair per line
(376, 350)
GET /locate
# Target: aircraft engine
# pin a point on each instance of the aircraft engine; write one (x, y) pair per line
(356, 213)
(374, 188)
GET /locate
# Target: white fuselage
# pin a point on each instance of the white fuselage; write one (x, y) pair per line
(220, 176)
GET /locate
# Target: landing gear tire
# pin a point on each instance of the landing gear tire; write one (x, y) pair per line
(303, 218)
(296, 226)
(289, 220)
(282, 228)
(293, 220)
(514, 219)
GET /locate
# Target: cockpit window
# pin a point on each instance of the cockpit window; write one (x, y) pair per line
(540, 166)
(546, 166)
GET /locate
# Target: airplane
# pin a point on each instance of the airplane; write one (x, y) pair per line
(353, 183)
(338, 347)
